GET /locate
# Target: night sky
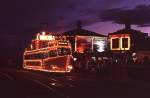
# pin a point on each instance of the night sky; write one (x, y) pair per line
(18, 17)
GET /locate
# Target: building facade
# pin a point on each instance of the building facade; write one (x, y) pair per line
(83, 40)
(127, 42)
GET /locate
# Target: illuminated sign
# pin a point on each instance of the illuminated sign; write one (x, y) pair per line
(43, 36)
(46, 37)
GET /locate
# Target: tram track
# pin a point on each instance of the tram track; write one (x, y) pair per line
(50, 84)
(53, 84)
(6, 75)
(64, 86)
(52, 79)
(61, 95)
(69, 85)
(59, 84)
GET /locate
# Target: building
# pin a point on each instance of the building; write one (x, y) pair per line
(83, 40)
(127, 41)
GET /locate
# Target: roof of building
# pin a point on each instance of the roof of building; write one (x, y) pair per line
(127, 31)
(82, 32)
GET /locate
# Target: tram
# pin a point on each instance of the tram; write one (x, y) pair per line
(48, 52)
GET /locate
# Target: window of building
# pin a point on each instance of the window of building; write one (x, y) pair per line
(115, 43)
(124, 42)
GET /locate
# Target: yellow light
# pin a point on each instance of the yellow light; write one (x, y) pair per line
(120, 37)
(54, 67)
(49, 58)
(46, 37)
(69, 67)
(43, 33)
(41, 69)
(129, 43)
(111, 44)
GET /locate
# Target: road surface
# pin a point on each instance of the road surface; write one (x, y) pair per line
(119, 83)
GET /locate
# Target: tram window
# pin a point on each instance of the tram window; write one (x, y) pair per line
(59, 51)
(64, 51)
(52, 53)
(33, 56)
(33, 46)
(26, 57)
(45, 55)
(67, 51)
(43, 44)
(51, 44)
(36, 56)
(30, 56)
(41, 55)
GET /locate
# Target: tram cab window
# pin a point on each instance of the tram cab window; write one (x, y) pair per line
(64, 51)
(33, 46)
(52, 53)
(39, 56)
(27, 57)
(45, 55)
(43, 44)
(36, 56)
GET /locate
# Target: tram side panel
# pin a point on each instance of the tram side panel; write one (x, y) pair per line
(59, 61)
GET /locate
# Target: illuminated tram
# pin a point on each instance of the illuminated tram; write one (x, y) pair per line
(48, 53)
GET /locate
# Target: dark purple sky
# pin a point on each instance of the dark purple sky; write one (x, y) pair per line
(19, 17)
(61, 15)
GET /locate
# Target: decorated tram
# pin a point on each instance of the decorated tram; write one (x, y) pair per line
(48, 52)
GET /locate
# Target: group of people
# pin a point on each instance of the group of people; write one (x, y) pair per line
(87, 62)
(101, 63)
